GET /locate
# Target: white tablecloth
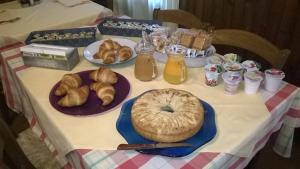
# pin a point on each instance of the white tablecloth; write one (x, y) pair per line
(244, 122)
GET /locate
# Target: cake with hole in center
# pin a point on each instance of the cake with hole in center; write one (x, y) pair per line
(167, 115)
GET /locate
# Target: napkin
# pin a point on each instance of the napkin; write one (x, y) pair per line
(72, 3)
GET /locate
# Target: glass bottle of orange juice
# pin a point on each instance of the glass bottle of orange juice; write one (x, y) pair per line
(175, 71)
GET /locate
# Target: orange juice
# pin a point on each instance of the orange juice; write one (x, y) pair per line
(175, 69)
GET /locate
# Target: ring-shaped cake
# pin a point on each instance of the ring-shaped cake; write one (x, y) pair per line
(167, 115)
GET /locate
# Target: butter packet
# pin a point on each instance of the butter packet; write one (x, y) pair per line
(50, 56)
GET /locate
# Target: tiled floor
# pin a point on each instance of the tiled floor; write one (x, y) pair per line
(267, 159)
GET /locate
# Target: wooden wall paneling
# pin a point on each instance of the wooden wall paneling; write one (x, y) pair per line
(260, 17)
(264, 17)
(280, 16)
(274, 15)
(238, 14)
(292, 68)
(191, 6)
(218, 15)
(228, 9)
(287, 22)
(248, 15)
(208, 11)
(183, 5)
(199, 10)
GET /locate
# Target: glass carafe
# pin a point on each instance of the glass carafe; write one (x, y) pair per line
(175, 71)
(145, 68)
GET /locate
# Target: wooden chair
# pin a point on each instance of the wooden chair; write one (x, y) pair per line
(12, 153)
(12, 150)
(177, 16)
(252, 43)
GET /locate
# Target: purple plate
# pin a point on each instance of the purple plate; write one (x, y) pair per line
(93, 104)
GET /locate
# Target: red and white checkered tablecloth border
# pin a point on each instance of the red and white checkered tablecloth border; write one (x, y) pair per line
(198, 161)
(293, 112)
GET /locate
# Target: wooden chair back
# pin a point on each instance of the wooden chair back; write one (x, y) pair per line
(252, 43)
(177, 16)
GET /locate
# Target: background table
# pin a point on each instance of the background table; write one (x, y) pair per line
(49, 14)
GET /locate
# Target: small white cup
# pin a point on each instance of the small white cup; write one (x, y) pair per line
(231, 82)
(252, 82)
(273, 79)
(212, 72)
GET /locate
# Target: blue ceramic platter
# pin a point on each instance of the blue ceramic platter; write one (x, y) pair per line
(204, 135)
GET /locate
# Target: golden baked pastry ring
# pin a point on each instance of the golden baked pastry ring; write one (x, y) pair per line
(167, 115)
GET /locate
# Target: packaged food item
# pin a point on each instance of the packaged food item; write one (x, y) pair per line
(231, 57)
(50, 56)
(233, 67)
(127, 27)
(212, 72)
(175, 37)
(214, 60)
(160, 39)
(231, 82)
(75, 37)
(199, 42)
(202, 41)
(252, 81)
(273, 79)
(196, 38)
(187, 40)
(250, 65)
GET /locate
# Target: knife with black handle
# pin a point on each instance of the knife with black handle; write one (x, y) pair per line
(151, 146)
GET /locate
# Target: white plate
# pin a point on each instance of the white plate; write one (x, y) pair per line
(93, 48)
(190, 62)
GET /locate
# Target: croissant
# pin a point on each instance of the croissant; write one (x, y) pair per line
(107, 45)
(104, 91)
(124, 53)
(75, 97)
(99, 54)
(116, 45)
(68, 81)
(104, 75)
(109, 56)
